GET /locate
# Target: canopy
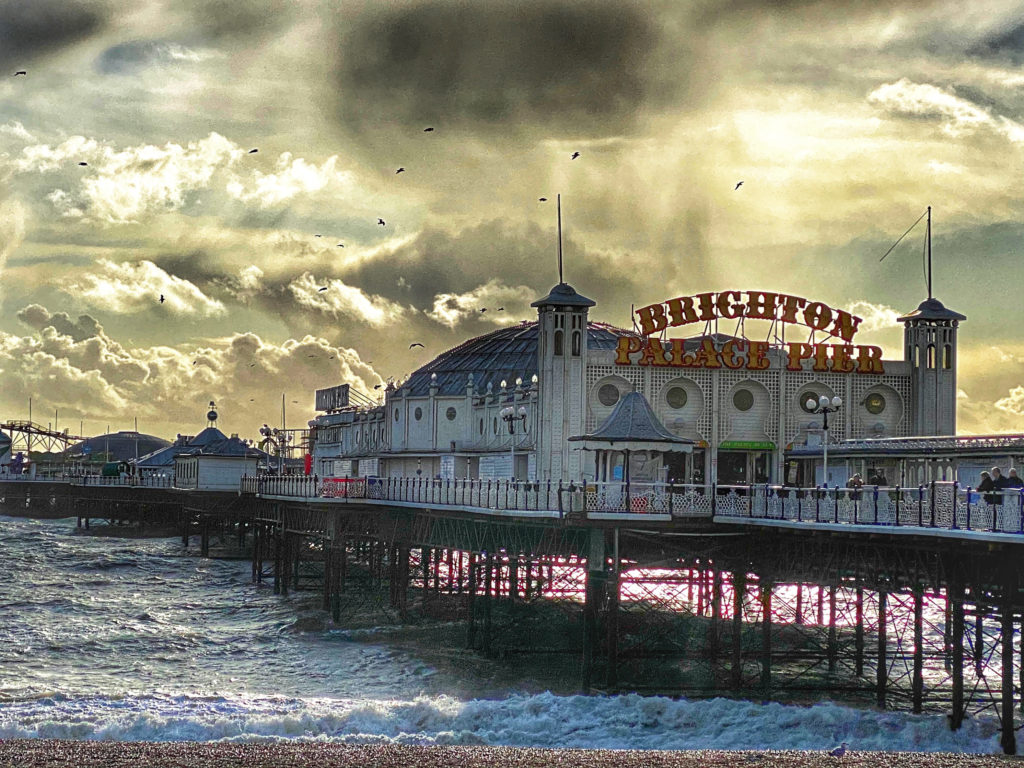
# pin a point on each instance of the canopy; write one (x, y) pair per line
(633, 426)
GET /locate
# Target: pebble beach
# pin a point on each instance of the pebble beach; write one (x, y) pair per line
(48, 753)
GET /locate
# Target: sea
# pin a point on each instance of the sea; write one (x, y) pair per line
(139, 639)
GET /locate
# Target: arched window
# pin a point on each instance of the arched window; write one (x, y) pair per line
(575, 343)
(947, 356)
(931, 355)
(558, 343)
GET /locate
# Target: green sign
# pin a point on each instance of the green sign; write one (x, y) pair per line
(747, 445)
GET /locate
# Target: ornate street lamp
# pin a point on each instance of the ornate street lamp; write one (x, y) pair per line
(824, 406)
(510, 416)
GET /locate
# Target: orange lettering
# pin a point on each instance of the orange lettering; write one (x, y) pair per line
(681, 311)
(841, 354)
(729, 349)
(869, 359)
(790, 304)
(652, 319)
(627, 345)
(654, 354)
(821, 357)
(707, 355)
(846, 325)
(727, 306)
(817, 316)
(798, 352)
(761, 305)
(756, 355)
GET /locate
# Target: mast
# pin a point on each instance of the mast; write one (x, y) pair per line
(929, 239)
(560, 280)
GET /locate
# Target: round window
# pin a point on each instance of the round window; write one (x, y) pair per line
(809, 402)
(450, 414)
(396, 414)
(743, 399)
(676, 397)
(417, 414)
(875, 403)
(608, 394)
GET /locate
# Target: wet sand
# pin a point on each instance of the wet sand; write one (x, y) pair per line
(47, 753)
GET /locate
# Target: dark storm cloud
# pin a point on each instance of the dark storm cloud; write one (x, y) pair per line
(562, 65)
(32, 27)
(1006, 43)
(238, 18)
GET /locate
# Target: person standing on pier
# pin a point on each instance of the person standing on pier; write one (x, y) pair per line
(985, 485)
(1012, 481)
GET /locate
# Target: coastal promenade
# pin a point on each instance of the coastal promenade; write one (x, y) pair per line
(896, 598)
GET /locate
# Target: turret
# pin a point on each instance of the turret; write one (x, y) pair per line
(561, 364)
(929, 345)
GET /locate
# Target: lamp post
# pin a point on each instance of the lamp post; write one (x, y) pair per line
(510, 416)
(824, 406)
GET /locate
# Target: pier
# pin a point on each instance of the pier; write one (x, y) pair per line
(897, 598)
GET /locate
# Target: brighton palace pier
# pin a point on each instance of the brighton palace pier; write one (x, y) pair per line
(660, 510)
(534, 401)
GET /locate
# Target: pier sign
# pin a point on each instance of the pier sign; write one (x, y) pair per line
(734, 353)
(753, 305)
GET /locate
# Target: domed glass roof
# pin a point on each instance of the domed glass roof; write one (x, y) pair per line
(506, 353)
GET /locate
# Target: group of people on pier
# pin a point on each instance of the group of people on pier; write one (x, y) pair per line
(993, 482)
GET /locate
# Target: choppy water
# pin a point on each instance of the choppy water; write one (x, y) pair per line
(106, 638)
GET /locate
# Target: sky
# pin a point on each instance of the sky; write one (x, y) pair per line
(127, 173)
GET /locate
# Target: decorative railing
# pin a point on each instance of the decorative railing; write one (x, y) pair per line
(130, 481)
(937, 505)
(545, 496)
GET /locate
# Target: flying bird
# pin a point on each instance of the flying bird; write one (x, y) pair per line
(317, 235)
(194, 362)
(574, 155)
(331, 357)
(310, 355)
(400, 170)
(381, 222)
(253, 151)
(295, 401)
(83, 163)
(482, 310)
(341, 245)
(321, 290)
(838, 751)
(20, 72)
(377, 386)
(161, 298)
(252, 365)
(500, 309)
(738, 185)
(425, 130)
(542, 199)
(415, 344)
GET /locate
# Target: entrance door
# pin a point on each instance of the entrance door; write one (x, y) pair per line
(732, 468)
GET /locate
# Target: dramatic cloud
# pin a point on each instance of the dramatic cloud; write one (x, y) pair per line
(125, 288)
(294, 176)
(494, 302)
(343, 300)
(957, 116)
(1013, 403)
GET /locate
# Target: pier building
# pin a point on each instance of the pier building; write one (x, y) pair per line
(736, 373)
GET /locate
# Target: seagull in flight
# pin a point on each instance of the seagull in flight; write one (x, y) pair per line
(20, 72)
(500, 309)
(400, 170)
(341, 245)
(542, 199)
(253, 151)
(425, 130)
(574, 155)
(738, 185)
(161, 298)
(252, 365)
(482, 310)
(381, 222)
(838, 751)
(317, 235)
(377, 386)
(83, 163)
(415, 344)
(321, 290)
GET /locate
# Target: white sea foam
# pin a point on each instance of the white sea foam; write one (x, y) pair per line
(543, 720)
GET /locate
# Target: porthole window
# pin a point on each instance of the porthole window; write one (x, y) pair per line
(396, 414)
(608, 394)
(676, 398)
(743, 399)
(809, 402)
(875, 403)
(450, 414)
(417, 414)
